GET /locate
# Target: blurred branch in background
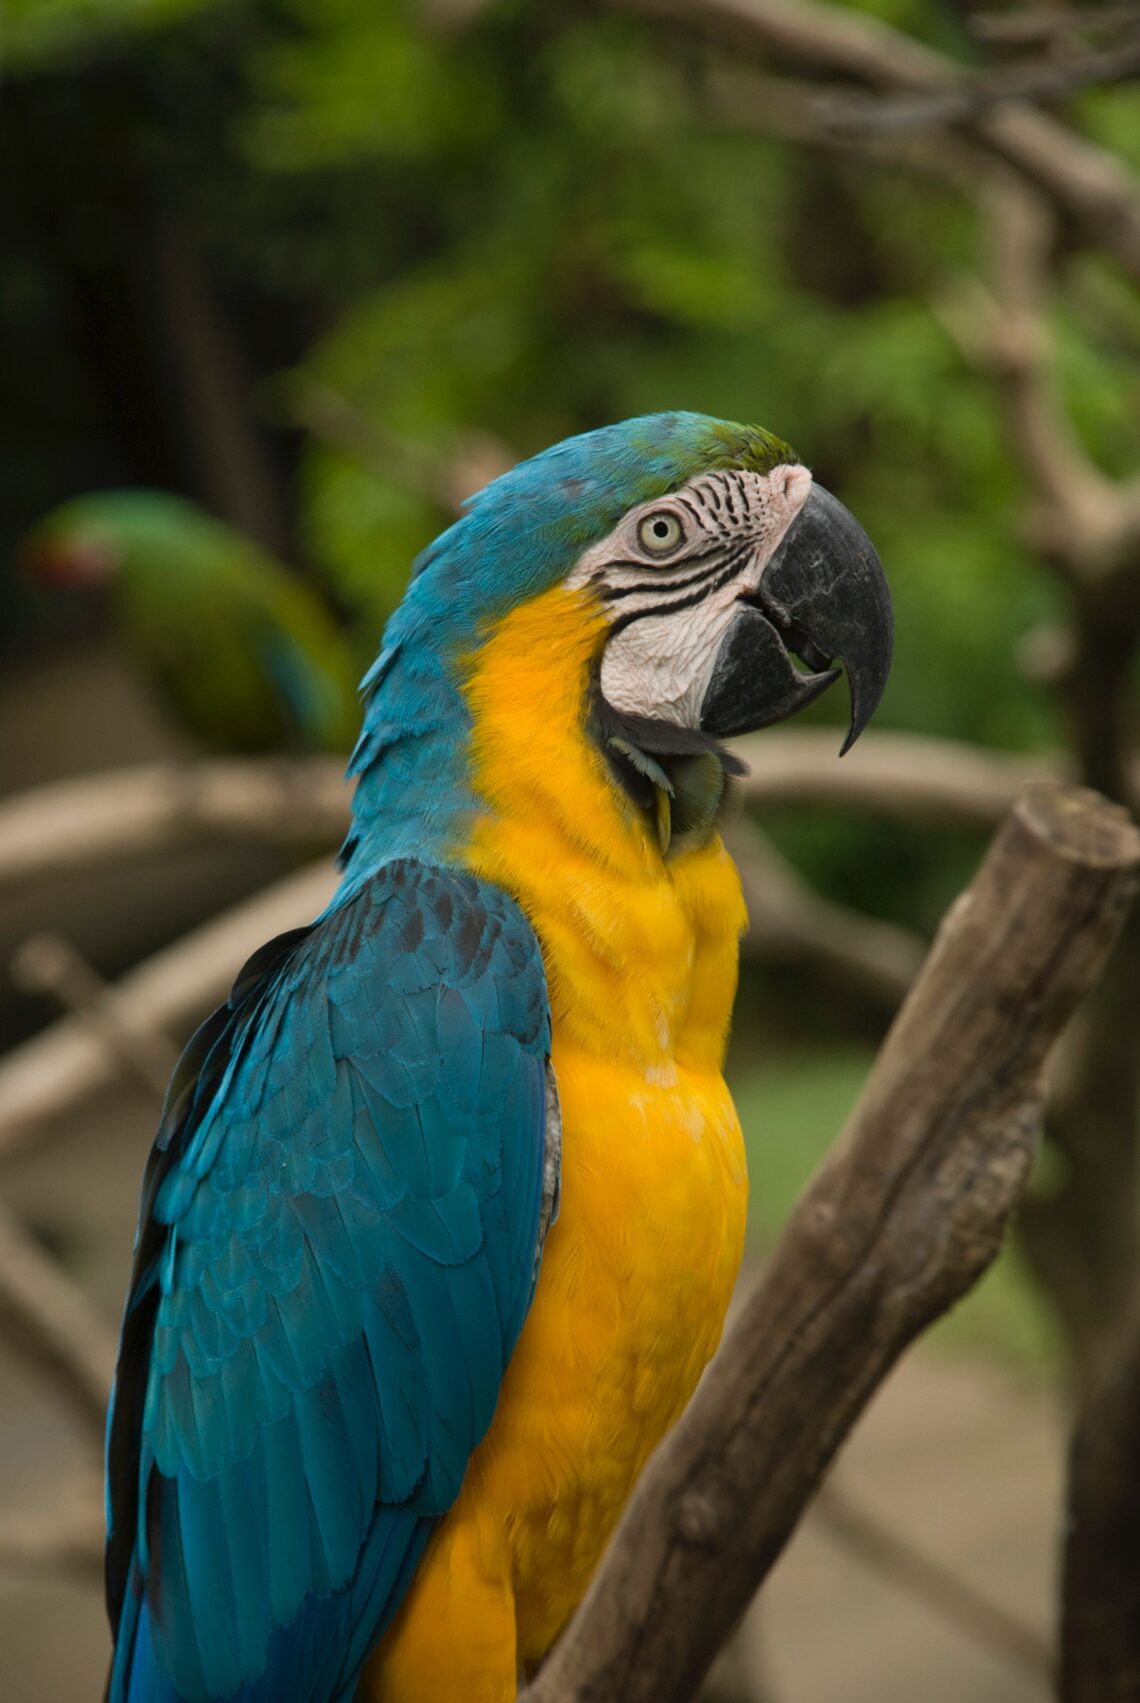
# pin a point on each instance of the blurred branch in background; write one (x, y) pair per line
(96, 819)
(901, 775)
(303, 801)
(1084, 523)
(49, 964)
(1051, 26)
(788, 923)
(52, 1324)
(1089, 184)
(1083, 1237)
(51, 1075)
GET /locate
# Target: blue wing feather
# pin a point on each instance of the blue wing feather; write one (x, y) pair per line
(337, 1249)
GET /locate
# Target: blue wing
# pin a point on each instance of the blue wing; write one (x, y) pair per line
(341, 1222)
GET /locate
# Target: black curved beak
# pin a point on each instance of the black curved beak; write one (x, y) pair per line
(823, 595)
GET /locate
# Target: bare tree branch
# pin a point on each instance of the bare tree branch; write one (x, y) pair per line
(80, 823)
(737, 94)
(49, 1320)
(904, 1215)
(789, 923)
(1085, 523)
(51, 1075)
(1086, 183)
(1043, 79)
(304, 801)
(1100, 1625)
(816, 36)
(47, 963)
(1049, 25)
(898, 774)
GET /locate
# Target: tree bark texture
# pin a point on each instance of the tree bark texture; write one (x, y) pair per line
(1100, 1624)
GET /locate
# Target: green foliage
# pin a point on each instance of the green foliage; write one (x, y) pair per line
(45, 32)
(594, 252)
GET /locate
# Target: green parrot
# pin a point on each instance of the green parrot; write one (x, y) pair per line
(246, 655)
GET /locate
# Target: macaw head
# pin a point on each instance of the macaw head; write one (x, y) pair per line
(78, 547)
(647, 587)
(708, 557)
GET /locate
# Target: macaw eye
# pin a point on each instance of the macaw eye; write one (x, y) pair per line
(660, 532)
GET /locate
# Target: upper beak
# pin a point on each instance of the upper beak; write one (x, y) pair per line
(823, 595)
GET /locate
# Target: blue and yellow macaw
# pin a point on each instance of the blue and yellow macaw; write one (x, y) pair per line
(448, 1200)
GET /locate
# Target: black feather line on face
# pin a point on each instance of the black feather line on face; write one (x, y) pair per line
(715, 579)
(611, 593)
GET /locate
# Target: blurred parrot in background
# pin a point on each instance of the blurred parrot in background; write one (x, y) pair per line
(246, 655)
(447, 1202)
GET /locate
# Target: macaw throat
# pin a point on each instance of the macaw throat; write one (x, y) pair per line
(675, 776)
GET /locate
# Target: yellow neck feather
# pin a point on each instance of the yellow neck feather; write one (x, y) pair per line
(640, 954)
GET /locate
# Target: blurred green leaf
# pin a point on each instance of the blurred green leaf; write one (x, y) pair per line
(36, 32)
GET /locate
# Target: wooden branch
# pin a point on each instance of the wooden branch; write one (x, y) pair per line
(736, 94)
(51, 1323)
(977, 94)
(898, 774)
(816, 36)
(1083, 521)
(789, 923)
(49, 964)
(904, 1215)
(1088, 184)
(1100, 1623)
(80, 823)
(52, 1074)
(1050, 25)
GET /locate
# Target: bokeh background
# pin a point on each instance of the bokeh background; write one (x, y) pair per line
(320, 268)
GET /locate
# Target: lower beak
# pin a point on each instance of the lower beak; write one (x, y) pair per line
(822, 595)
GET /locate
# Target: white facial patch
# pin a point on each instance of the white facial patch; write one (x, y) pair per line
(670, 575)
